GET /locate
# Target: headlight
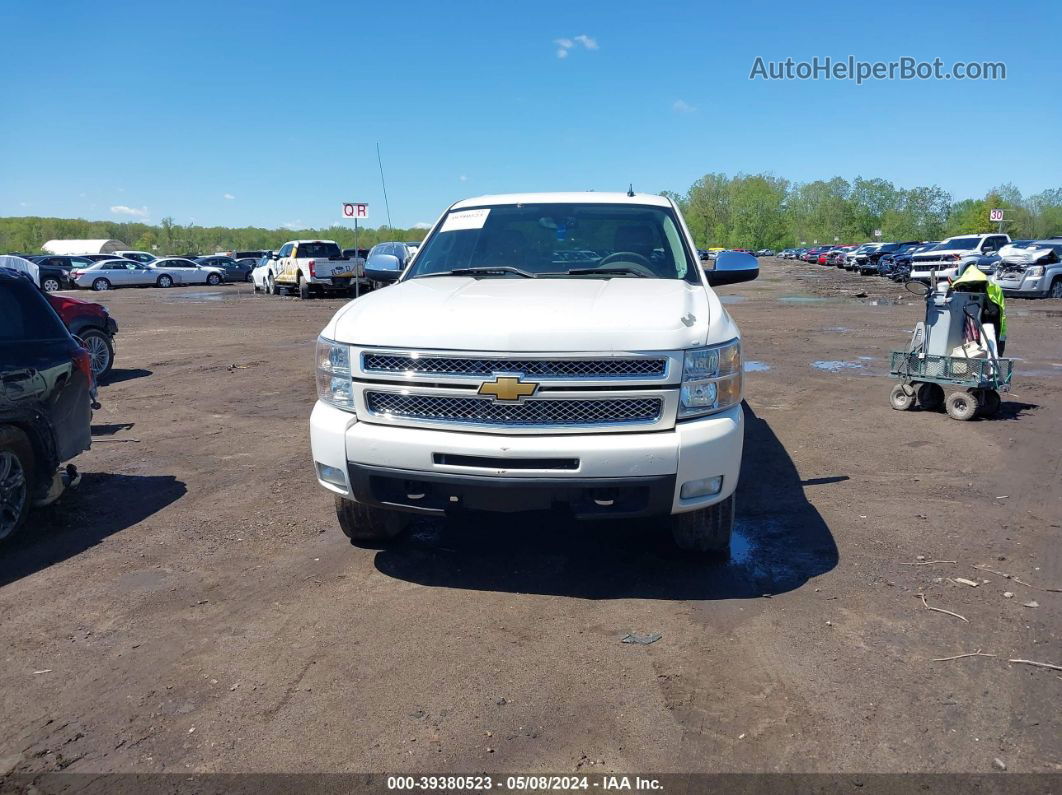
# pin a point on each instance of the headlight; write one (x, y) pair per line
(1036, 271)
(711, 380)
(333, 374)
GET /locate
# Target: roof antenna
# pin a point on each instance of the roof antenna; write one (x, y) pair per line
(630, 190)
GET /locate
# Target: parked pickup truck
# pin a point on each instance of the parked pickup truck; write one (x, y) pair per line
(312, 267)
(949, 254)
(496, 376)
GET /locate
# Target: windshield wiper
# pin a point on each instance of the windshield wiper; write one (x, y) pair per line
(607, 271)
(490, 270)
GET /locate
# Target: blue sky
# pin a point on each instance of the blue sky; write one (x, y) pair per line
(268, 113)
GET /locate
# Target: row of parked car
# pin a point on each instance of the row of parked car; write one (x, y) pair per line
(139, 269)
(1025, 268)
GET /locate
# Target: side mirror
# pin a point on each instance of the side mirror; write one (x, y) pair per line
(274, 257)
(732, 267)
(383, 268)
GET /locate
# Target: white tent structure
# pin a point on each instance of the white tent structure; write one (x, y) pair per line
(24, 265)
(84, 246)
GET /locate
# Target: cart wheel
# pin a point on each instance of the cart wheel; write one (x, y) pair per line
(930, 396)
(961, 405)
(990, 402)
(900, 399)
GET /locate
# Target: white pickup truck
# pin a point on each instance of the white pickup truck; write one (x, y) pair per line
(311, 267)
(500, 374)
(948, 255)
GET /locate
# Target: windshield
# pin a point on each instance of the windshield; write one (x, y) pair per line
(959, 242)
(318, 250)
(558, 240)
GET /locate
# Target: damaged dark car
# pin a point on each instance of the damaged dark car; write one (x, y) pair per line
(47, 394)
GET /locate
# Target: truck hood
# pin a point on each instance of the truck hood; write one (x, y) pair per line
(526, 315)
(937, 253)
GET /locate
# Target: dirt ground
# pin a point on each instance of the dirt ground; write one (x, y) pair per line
(192, 606)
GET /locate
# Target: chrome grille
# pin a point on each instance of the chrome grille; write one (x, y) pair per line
(486, 411)
(628, 367)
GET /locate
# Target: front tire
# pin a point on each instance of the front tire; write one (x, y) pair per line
(213, 280)
(707, 530)
(366, 525)
(16, 480)
(900, 399)
(100, 285)
(101, 351)
(164, 281)
(50, 285)
(1056, 289)
(961, 406)
(272, 287)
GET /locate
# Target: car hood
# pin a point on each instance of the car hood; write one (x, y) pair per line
(1025, 256)
(513, 314)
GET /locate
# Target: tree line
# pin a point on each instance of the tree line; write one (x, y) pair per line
(762, 211)
(27, 234)
(742, 211)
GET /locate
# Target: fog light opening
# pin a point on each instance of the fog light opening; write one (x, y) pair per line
(706, 487)
(331, 475)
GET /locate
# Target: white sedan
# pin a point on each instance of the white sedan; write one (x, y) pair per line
(262, 275)
(185, 271)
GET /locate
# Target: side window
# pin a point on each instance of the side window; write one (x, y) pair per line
(285, 250)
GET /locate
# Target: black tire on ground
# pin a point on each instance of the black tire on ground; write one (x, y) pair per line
(900, 399)
(961, 405)
(707, 530)
(249, 277)
(101, 349)
(213, 279)
(369, 526)
(930, 396)
(50, 284)
(1056, 288)
(165, 280)
(101, 284)
(990, 403)
(271, 287)
(16, 480)
(304, 288)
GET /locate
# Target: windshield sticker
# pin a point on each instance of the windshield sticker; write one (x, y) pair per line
(465, 219)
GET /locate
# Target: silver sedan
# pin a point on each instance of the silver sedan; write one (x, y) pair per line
(185, 271)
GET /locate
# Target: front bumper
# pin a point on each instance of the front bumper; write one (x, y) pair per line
(1026, 287)
(594, 475)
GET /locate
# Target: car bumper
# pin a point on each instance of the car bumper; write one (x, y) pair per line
(595, 475)
(1030, 287)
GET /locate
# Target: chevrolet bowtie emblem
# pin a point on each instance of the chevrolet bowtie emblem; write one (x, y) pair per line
(507, 388)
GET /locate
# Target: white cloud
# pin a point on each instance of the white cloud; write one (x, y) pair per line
(566, 45)
(463, 178)
(681, 106)
(23, 204)
(229, 196)
(138, 212)
(296, 224)
(422, 225)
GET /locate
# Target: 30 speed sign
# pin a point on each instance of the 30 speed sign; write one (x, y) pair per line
(995, 215)
(358, 210)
